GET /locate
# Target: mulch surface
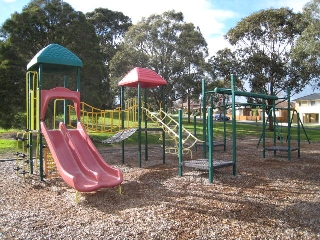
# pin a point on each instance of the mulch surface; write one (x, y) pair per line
(269, 198)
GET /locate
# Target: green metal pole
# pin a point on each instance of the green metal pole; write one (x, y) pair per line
(261, 135)
(289, 125)
(245, 94)
(30, 118)
(122, 118)
(263, 129)
(195, 130)
(273, 114)
(139, 122)
(146, 126)
(180, 143)
(210, 143)
(234, 136)
(298, 135)
(163, 132)
(208, 119)
(40, 137)
(195, 125)
(204, 113)
(224, 126)
(304, 130)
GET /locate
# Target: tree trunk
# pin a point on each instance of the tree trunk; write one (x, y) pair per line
(270, 103)
(188, 101)
(271, 123)
(270, 114)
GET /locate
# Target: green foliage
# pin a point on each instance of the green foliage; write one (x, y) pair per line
(171, 47)
(19, 120)
(44, 22)
(264, 42)
(222, 65)
(307, 50)
(12, 91)
(110, 28)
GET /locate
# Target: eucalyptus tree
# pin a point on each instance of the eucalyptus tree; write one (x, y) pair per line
(306, 54)
(12, 88)
(110, 28)
(264, 42)
(165, 43)
(220, 67)
(44, 22)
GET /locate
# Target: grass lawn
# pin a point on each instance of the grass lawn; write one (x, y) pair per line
(8, 143)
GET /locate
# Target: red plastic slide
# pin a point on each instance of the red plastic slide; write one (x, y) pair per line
(78, 161)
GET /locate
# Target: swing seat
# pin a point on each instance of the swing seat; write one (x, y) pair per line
(281, 148)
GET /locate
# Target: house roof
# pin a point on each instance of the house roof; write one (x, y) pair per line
(313, 96)
(146, 77)
(284, 104)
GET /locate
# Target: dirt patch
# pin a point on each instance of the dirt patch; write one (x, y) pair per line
(269, 198)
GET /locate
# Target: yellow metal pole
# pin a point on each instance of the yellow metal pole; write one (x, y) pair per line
(38, 109)
(32, 110)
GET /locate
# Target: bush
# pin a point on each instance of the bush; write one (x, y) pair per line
(19, 121)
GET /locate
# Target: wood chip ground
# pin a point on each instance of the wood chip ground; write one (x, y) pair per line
(269, 198)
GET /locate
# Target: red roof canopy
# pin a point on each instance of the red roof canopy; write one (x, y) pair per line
(146, 77)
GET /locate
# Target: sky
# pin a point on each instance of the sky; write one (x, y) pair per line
(213, 17)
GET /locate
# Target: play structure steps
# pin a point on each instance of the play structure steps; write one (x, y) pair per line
(170, 126)
(281, 148)
(203, 164)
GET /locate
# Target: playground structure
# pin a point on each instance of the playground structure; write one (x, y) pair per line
(142, 78)
(78, 161)
(271, 114)
(134, 115)
(209, 163)
(185, 141)
(85, 169)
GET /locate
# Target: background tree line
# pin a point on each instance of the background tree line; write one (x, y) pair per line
(272, 49)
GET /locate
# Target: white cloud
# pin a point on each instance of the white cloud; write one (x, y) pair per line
(217, 43)
(202, 13)
(296, 5)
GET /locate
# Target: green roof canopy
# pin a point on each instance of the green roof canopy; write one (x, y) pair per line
(54, 58)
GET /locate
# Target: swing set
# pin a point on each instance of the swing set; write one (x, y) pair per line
(209, 163)
(278, 133)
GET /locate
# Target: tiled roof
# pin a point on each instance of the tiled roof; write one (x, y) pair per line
(284, 104)
(313, 96)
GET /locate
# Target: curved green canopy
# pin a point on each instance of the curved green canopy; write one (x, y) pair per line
(54, 58)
